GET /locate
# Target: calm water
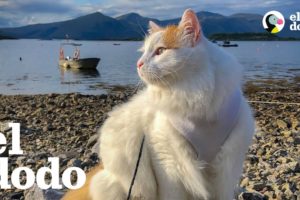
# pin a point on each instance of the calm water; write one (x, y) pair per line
(38, 72)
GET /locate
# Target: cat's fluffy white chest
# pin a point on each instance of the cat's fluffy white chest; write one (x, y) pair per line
(173, 159)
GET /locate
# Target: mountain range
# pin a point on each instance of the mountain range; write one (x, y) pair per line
(131, 26)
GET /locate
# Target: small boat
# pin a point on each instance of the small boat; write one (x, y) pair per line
(226, 43)
(116, 44)
(76, 62)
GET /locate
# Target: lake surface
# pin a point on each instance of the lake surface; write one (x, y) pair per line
(39, 73)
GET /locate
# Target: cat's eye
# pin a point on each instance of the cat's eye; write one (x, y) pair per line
(159, 51)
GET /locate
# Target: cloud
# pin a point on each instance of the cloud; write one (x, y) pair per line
(5, 22)
(36, 6)
(24, 12)
(155, 8)
(44, 7)
(173, 8)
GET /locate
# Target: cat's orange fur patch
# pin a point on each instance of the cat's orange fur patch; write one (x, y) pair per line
(171, 37)
(83, 192)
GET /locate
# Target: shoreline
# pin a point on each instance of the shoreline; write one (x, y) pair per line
(279, 39)
(65, 126)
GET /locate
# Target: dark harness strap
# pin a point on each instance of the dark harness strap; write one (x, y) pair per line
(136, 168)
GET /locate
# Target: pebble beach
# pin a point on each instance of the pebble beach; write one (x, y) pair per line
(65, 126)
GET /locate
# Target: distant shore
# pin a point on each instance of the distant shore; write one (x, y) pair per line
(250, 37)
(137, 40)
(65, 125)
(217, 36)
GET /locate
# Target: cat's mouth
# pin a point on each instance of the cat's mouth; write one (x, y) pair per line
(154, 78)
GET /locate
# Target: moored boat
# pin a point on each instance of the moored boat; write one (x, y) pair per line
(82, 63)
(227, 43)
(76, 62)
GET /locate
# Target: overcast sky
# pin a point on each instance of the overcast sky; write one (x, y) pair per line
(23, 12)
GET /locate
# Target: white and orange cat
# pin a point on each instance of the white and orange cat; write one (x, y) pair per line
(197, 124)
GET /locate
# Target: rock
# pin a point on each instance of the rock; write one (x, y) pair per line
(252, 196)
(287, 133)
(67, 154)
(20, 160)
(253, 159)
(259, 186)
(244, 182)
(41, 155)
(77, 163)
(35, 193)
(3, 125)
(8, 129)
(121, 95)
(287, 190)
(92, 141)
(282, 160)
(94, 157)
(16, 196)
(297, 141)
(296, 168)
(74, 163)
(86, 163)
(96, 147)
(48, 128)
(30, 162)
(52, 95)
(238, 191)
(270, 194)
(103, 96)
(295, 123)
(281, 124)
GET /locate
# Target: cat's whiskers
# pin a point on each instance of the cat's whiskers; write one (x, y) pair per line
(156, 78)
(142, 29)
(137, 87)
(161, 80)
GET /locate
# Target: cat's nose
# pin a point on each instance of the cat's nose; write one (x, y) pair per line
(140, 64)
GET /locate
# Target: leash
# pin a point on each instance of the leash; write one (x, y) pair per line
(136, 168)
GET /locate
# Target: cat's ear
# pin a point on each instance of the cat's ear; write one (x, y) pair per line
(153, 27)
(191, 27)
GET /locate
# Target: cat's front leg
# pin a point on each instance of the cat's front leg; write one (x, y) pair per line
(120, 144)
(105, 185)
(110, 183)
(229, 162)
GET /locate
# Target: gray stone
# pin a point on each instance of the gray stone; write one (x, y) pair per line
(36, 193)
(30, 162)
(297, 141)
(16, 196)
(20, 160)
(252, 196)
(96, 147)
(77, 163)
(92, 140)
(259, 186)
